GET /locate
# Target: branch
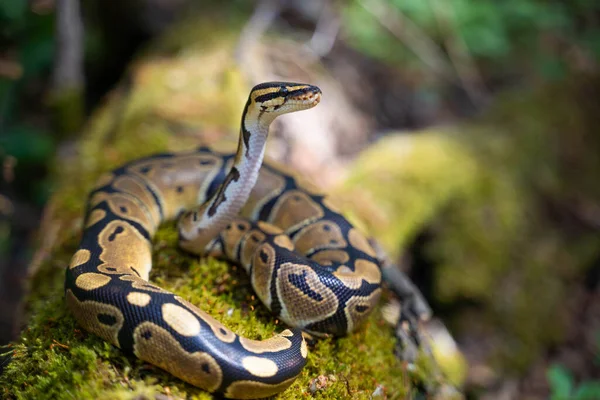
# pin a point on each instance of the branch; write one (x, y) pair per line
(262, 18)
(68, 63)
(326, 31)
(411, 35)
(67, 78)
(465, 66)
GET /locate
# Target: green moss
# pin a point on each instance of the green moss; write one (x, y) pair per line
(401, 182)
(68, 109)
(55, 359)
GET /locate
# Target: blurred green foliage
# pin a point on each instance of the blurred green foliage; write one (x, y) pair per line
(505, 37)
(26, 142)
(563, 387)
(27, 34)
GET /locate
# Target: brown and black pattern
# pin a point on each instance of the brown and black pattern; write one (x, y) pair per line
(233, 176)
(306, 262)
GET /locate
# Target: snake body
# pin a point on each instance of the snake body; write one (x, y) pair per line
(307, 263)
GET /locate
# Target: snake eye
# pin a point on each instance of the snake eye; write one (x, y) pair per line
(283, 90)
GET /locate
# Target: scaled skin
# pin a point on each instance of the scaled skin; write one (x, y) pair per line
(107, 281)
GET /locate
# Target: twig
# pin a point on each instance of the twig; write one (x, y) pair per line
(459, 55)
(411, 35)
(55, 343)
(326, 31)
(68, 63)
(263, 16)
(347, 384)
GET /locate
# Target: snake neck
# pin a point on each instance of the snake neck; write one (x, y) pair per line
(225, 204)
(268, 100)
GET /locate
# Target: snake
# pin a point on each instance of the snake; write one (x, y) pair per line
(308, 264)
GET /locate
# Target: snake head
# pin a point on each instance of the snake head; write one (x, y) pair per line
(276, 98)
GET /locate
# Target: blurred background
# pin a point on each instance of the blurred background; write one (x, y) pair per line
(464, 131)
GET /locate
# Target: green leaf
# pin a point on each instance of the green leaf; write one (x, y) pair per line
(588, 391)
(36, 54)
(551, 67)
(27, 144)
(12, 9)
(561, 382)
(418, 11)
(7, 99)
(591, 41)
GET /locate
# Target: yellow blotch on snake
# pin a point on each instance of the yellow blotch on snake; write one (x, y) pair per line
(139, 283)
(91, 281)
(268, 228)
(291, 295)
(180, 319)
(322, 234)
(104, 180)
(232, 235)
(284, 241)
(132, 186)
(221, 331)
(126, 206)
(94, 217)
(252, 241)
(80, 257)
(102, 319)
(358, 241)
(294, 209)
(138, 299)
(274, 344)
(156, 345)
(363, 270)
(123, 246)
(328, 257)
(253, 390)
(262, 273)
(358, 308)
(258, 366)
(267, 187)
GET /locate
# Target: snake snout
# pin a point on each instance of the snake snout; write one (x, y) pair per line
(308, 96)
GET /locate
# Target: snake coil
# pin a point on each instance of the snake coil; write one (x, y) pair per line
(307, 263)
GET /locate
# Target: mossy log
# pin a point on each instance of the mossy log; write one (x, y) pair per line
(170, 103)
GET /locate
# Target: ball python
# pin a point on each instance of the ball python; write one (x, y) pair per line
(306, 262)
